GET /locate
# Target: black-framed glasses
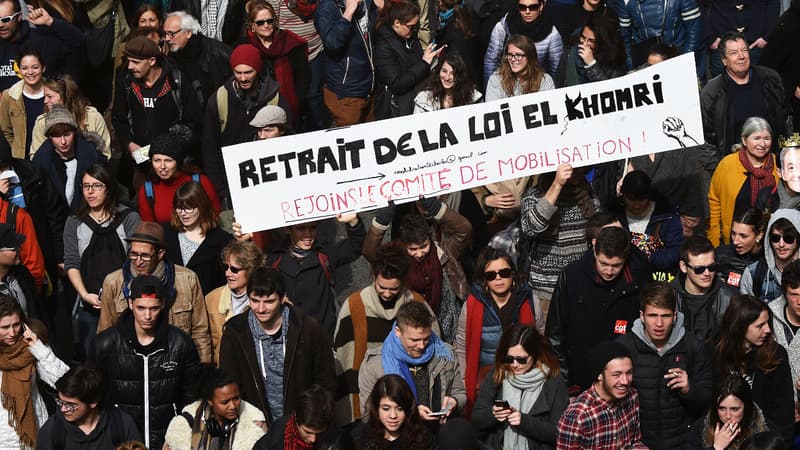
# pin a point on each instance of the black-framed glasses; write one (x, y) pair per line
(93, 187)
(234, 270)
(699, 270)
(7, 19)
(263, 22)
(143, 256)
(515, 56)
(532, 7)
(413, 27)
(490, 275)
(69, 407)
(508, 359)
(172, 34)
(775, 238)
(185, 209)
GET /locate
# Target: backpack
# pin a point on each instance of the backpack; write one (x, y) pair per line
(11, 216)
(114, 426)
(104, 254)
(150, 194)
(222, 106)
(324, 261)
(176, 81)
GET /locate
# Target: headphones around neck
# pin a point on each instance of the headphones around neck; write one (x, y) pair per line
(221, 431)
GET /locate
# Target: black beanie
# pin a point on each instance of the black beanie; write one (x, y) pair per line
(167, 144)
(604, 352)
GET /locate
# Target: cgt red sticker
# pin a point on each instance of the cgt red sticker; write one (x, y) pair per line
(621, 327)
(734, 279)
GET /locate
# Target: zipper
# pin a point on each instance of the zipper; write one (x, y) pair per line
(346, 69)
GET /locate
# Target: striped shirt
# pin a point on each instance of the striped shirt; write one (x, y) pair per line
(288, 20)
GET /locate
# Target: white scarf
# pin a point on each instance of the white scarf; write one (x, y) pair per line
(521, 392)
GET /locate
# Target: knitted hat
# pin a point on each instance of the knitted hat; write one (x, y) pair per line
(247, 54)
(59, 114)
(604, 352)
(146, 286)
(269, 115)
(167, 144)
(149, 232)
(141, 48)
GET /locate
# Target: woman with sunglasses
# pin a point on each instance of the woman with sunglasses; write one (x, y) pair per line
(401, 64)
(193, 239)
(99, 213)
(62, 90)
(530, 21)
(498, 300)
(746, 247)
(739, 178)
(762, 279)
(523, 396)
(22, 103)
(230, 299)
(746, 347)
(284, 51)
(393, 421)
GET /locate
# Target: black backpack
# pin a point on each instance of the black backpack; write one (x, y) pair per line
(104, 254)
(114, 426)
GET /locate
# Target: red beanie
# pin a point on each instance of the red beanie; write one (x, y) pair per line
(246, 54)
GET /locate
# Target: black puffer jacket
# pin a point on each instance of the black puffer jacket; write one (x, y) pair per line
(399, 73)
(731, 263)
(168, 364)
(666, 414)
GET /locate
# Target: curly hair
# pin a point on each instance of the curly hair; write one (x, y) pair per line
(461, 92)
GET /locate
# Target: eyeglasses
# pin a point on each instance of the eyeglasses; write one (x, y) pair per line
(775, 238)
(515, 56)
(172, 34)
(532, 7)
(263, 22)
(143, 256)
(186, 209)
(508, 359)
(699, 270)
(413, 27)
(7, 19)
(93, 187)
(490, 275)
(234, 270)
(69, 407)
(583, 39)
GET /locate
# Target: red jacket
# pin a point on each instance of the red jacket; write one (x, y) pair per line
(30, 254)
(163, 193)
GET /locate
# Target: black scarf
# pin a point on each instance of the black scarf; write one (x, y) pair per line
(536, 30)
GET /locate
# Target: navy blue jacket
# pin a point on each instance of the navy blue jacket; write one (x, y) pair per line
(756, 19)
(85, 153)
(347, 59)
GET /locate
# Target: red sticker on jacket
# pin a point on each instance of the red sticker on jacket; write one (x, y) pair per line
(734, 279)
(621, 327)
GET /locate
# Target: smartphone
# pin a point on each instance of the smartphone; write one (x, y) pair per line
(502, 404)
(441, 413)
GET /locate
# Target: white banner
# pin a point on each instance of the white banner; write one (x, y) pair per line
(313, 176)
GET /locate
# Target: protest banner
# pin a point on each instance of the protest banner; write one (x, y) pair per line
(312, 176)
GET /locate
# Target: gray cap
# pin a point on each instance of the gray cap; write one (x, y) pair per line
(59, 114)
(269, 115)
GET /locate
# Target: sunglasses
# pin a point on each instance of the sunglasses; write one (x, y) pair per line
(508, 359)
(775, 238)
(490, 275)
(234, 270)
(7, 19)
(699, 270)
(532, 7)
(263, 22)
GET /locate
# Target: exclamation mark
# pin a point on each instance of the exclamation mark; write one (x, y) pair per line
(644, 141)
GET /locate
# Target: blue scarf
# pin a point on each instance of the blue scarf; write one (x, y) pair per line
(168, 281)
(395, 359)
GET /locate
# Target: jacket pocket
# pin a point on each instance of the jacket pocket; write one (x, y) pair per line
(181, 316)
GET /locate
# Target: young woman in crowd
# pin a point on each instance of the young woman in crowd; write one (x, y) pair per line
(449, 86)
(529, 21)
(22, 103)
(523, 396)
(747, 348)
(65, 155)
(739, 177)
(24, 358)
(148, 15)
(519, 73)
(499, 299)
(746, 247)
(63, 90)
(598, 54)
(732, 419)
(193, 239)
(285, 51)
(401, 64)
(224, 302)
(762, 279)
(393, 420)
(157, 194)
(220, 419)
(99, 213)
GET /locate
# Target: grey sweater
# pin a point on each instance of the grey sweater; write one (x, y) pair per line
(77, 236)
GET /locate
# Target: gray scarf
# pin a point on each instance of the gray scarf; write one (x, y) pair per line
(521, 392)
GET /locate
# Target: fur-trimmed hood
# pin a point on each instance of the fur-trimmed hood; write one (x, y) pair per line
(179, 433)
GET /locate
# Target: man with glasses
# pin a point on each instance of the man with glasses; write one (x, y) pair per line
(203, 60)
(702, 296)
(673, 371)
(82, 421)
(183, 295)
(58, 41)
(149, 363)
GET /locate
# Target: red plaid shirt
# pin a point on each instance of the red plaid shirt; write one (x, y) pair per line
(593, 423)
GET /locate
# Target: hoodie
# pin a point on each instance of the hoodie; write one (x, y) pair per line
(770, 285)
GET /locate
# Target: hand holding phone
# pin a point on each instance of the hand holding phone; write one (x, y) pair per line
(441, 413)
(502, 404)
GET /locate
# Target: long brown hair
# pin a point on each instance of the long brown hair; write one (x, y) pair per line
(393, 387)
(531, 78)
(192, 195)
(730, 354)
(537, 346)
(71, 97)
